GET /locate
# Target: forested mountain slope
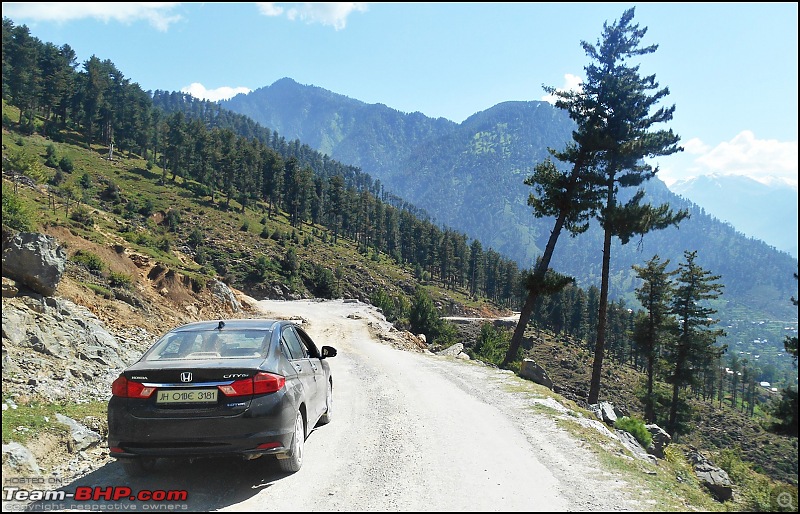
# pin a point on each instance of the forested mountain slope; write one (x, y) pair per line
(469, 176)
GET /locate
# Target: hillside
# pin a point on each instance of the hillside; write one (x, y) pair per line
(479, 166)
(166, 286)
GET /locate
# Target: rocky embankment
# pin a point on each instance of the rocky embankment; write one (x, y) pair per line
(64, 343)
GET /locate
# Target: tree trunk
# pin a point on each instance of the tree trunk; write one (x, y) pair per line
(538, 277)
(599, 347)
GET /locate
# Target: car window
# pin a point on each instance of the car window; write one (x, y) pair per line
(210, 344)
(293, 343)
(311, 348)
(285, 349)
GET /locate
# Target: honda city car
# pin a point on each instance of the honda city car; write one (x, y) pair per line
(244, 387)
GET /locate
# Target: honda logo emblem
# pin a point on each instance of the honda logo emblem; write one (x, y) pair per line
(186, 376)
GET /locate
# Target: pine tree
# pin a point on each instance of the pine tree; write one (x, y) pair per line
(695, 343)
(612, 112)
(655, 295)
(626, 139)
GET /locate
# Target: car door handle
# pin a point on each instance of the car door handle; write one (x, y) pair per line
(298, 367)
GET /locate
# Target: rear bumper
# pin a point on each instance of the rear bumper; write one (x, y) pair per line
(265, 427)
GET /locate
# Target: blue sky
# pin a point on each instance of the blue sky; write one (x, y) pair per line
(731, 68)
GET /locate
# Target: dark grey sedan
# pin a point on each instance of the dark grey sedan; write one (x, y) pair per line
(245, 387)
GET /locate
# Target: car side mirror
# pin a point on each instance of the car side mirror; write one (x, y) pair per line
(328, 351)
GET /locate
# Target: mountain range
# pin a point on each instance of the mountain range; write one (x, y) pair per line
(470, 177)
(764, 211)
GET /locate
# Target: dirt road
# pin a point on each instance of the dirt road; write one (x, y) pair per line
(416, 432)
(410, 432)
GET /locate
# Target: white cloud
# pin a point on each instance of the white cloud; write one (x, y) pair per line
(571, 83)
(198, 90)
(333, 14)
(764, 160)
(158, 14)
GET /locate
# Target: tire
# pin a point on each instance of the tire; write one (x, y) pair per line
(139, 466)
(327, 416)
(294, 461)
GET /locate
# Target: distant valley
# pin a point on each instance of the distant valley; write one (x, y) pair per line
(763, 211)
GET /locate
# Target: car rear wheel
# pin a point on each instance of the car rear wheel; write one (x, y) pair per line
(326, 417)
(294, 461)
(137, 467)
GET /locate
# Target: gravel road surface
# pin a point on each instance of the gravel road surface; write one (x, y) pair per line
(410, 432)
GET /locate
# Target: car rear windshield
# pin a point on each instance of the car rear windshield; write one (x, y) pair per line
(210, 344)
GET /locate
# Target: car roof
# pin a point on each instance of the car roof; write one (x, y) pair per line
(234, 324)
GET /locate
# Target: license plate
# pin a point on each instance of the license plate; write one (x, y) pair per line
(187, 396)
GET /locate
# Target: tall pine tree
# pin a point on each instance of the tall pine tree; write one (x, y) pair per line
(695, 343)
(626, 139)
(655, 295)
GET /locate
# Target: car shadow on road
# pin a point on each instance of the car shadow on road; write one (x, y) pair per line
(175, 485)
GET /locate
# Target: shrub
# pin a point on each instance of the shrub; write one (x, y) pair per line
(424, 319)
(116, 279)
(85, 181)
(82, 215)
(290, 263)
(15, 214)
(164, 244)
(492, 344)
(636, 428)
(89, 260)
(324, 283)
(65, 164)
(51, 160)
(172, 220)
(112, 192)
(148, 208)
(195, 238)
(200, 256)
(58, 178)
(381, 300)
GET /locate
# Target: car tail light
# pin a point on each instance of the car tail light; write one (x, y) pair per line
(261, 383)
(124, 388)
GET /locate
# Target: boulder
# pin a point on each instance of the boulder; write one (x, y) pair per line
(82, 437)
(532, 371)
(715, 479)
(661, 440)
(34, 260)
(225, 294)
(452, 351)
(632, 444)
(605, 412)
(20, 459)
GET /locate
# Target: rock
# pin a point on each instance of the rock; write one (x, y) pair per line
(35, 260)
(452, 351)
(532, 371)
(82, 437)
(661, 440)
(631, 443)
(224, 293)
(714, 478)
(10, 288)
(605, 412)
(20, 459)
